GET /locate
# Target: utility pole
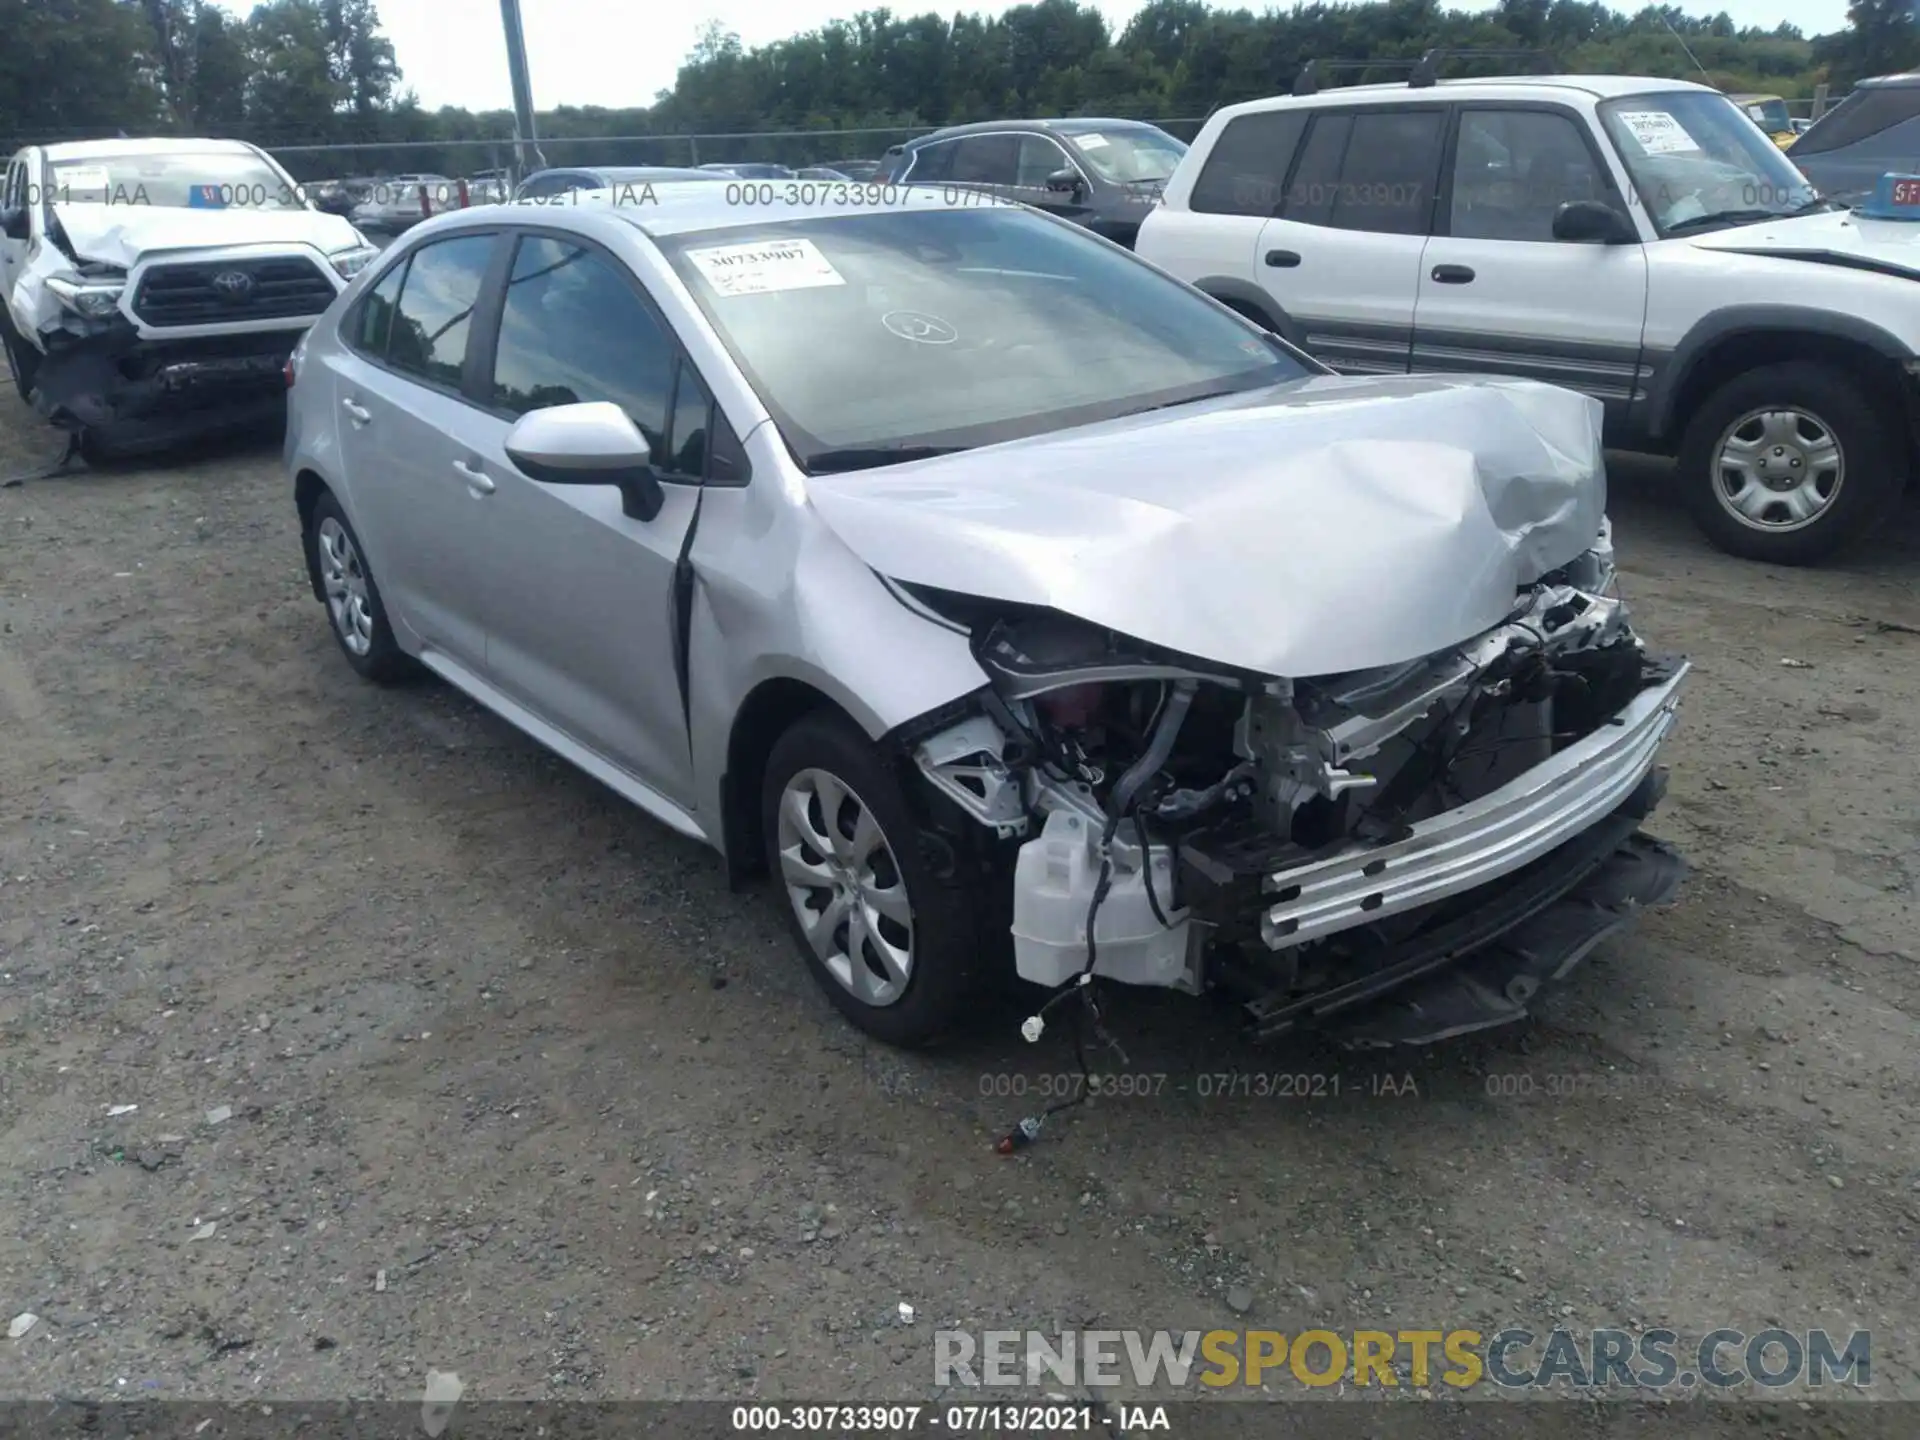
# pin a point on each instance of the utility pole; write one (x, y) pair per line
(526, 143)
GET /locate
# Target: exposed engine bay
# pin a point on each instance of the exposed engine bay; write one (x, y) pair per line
(1310, 844)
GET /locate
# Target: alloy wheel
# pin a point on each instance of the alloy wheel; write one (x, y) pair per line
(344, 579)
(1778, 469)
(839, 871)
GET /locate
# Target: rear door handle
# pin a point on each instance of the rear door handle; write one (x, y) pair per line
(1452, 275)
(359, 414)
(1283, 259)
(478, 481)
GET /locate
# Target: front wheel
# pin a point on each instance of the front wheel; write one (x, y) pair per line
(890, 939)
(1789, 463)
(22, 359)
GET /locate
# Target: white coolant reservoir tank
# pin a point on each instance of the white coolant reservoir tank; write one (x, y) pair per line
(1053, 885)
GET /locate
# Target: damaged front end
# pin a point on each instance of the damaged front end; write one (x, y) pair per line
(178, 345)
(157, 390)
(1395, 856)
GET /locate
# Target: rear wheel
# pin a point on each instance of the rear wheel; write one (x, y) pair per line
(1788, 463)
(354, 607)
(890, 940)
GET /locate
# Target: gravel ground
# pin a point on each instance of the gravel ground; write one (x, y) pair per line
(445, 1057)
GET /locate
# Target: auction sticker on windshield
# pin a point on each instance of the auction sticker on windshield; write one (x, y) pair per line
(765, 268)
(82, 178)
(1658, 132)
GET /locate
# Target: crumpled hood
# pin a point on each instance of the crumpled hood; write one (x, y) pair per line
(1324, 525)
(1836, 237)
(125, 234)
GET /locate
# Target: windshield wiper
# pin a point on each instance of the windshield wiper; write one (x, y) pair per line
(833, 462)
(1188, 400)
(1723, 217)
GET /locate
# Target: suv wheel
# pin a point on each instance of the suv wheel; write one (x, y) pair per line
(22, 359)
(888, 938)
(1787, 463)
(354, 607)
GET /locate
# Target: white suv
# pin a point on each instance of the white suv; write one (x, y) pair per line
(1639, 240)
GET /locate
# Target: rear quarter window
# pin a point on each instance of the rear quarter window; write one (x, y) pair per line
(1246, 172)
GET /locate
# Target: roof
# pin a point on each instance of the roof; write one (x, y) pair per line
(1904, 80)
(628, 172)
(103, 149)
(1600, 87)
(1077, 125)
(677, 207)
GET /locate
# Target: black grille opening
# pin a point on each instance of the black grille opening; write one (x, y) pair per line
(208, 292)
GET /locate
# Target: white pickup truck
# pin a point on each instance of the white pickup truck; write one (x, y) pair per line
(154, 288)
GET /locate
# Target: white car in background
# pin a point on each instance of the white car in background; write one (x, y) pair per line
(1636, 239)
(154, 288)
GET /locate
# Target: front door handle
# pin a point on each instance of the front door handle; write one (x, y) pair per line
(478, 481)
(1283, 259)
(357, 413)
(1452, 275)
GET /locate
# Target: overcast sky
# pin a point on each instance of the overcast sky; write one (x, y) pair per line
(591, 52)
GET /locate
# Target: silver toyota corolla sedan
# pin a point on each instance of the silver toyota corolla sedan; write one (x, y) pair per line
(1021, 610)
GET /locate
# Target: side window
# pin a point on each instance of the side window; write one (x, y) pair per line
(1391, 169)
(1038, 157)
(435, 312)
(1316, 181)
(987, 159)
(372, 325)
(687, 436)
(16, 192)
(932, 164)
(1247, 170)
(572, 330)
(1513, 169)
(700, 444)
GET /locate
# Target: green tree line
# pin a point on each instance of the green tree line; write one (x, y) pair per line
(296, 73)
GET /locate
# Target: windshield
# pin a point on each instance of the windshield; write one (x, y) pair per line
(181, 180)
(942, 329)
(1124, 157)
(1698, 163)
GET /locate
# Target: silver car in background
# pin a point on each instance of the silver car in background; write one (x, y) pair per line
(1023, 611)
(399, 201)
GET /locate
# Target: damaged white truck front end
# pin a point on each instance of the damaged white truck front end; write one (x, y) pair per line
(155, 288)
(1381, 774)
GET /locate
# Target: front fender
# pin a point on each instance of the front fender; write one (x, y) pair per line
(1732, 321)
(789, 601)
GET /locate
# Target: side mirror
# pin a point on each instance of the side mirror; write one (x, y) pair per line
(588, 444)
(1591, 222)
(15, 223)
(1064, 182)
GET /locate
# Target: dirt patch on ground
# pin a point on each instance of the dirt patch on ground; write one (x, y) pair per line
(443, 1056)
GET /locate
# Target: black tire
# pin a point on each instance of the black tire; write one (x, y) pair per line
(382, 660)
(98, 449)
(1867, 424)
(949, 964)
(22, 359)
